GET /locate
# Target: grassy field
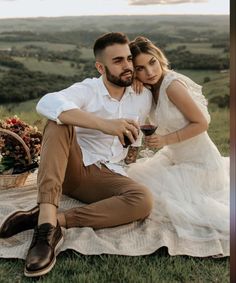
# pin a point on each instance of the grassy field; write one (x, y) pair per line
(168, 24)
(47, 45)
(60, 68)
(86, 53)
(196, 48)
(214, 75)
(156, 268)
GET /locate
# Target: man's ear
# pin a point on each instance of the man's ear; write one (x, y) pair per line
(100, 67)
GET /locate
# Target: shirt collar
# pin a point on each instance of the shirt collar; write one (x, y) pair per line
(104, 92)
(102, 88)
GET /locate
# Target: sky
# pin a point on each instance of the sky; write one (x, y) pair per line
(57, 8)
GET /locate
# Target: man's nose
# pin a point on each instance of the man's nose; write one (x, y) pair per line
(128, 65)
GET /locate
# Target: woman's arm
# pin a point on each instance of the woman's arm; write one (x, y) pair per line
(178, 95)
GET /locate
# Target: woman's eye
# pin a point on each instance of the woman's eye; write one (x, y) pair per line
(152, 62)
(139, 69)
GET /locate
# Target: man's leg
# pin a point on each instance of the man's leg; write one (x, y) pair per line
(111, 199)
(56, 148)
(57, 141)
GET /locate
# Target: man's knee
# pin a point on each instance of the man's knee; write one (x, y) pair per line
(148, 202)
(145, 201)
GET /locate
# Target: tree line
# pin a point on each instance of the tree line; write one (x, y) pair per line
(17, 83)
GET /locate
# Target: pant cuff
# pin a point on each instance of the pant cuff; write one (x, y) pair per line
(48, 198)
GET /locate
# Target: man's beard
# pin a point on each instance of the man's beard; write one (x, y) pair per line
(117, 80)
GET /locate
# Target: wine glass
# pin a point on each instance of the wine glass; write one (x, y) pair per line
(148, 130)
(130, 116)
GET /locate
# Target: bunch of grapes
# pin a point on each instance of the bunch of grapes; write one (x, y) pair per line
(13, 155)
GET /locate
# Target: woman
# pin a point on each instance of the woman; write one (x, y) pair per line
(188, 176)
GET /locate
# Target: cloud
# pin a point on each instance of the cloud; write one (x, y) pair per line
(163, 2)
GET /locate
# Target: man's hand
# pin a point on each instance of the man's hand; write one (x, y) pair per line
(115, 127)
(120, 127)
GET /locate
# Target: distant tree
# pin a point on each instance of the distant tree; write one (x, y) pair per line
(220, 101)
(206, 79)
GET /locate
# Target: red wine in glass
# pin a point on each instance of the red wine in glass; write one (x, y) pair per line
(127, 142)
(148, 130)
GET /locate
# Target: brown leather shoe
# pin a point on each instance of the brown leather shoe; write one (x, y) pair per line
(41, 256)
(19, 221)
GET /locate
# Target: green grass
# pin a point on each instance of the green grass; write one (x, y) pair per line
(47, 45)
(60, 68)
(199, 75)
(219, 130)
(156, 268)
(217, 87)
(86, 53)
(197, 48)
(25, 111)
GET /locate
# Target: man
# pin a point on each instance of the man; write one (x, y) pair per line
(81, 156)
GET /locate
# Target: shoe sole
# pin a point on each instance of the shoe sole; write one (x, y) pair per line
(48, 268)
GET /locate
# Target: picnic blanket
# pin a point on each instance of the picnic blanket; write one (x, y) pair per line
(137, 238)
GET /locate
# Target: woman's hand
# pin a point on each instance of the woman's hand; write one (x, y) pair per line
(155, 141)
(137, 86)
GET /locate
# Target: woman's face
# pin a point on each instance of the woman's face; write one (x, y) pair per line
(147, 68)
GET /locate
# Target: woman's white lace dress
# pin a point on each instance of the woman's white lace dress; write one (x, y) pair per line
(189, 181)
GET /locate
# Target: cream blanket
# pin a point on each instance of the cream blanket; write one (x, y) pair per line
(138, 238)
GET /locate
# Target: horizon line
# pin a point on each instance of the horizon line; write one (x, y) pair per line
(107, 15)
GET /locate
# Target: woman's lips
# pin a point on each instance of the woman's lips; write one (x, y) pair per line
(152, 78)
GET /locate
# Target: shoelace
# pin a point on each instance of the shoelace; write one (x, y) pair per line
(42, 234)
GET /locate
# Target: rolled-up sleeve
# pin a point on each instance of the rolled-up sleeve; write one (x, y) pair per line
(53, 104)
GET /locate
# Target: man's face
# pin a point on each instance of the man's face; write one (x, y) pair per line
(118, 64)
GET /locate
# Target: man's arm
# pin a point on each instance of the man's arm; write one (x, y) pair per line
(114, 127)
(65, 107)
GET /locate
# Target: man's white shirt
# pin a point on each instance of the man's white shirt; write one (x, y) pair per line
(92, 96)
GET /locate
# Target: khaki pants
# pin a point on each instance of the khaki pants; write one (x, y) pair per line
(110, 199)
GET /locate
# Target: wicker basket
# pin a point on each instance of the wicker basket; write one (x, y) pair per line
(14, 180)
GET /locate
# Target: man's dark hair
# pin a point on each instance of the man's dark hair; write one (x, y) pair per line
(109, 39)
